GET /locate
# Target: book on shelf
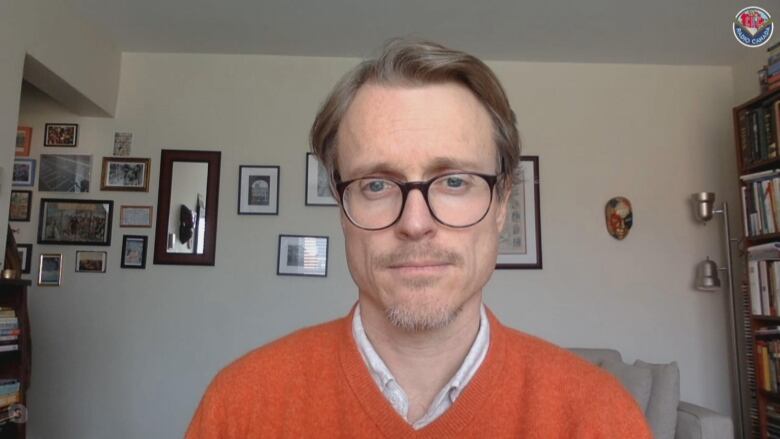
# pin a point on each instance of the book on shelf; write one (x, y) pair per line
(758, 131)
(761, 204)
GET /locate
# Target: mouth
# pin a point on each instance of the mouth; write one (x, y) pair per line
(419, 267)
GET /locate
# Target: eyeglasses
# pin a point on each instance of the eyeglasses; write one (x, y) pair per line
(458, 199)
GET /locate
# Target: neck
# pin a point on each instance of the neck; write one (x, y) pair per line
(422, 361)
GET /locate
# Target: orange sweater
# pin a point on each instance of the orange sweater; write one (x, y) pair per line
(314, 383)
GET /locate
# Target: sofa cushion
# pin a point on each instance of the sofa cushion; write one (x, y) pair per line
(664, 398)
(597, 356)
(637, 380)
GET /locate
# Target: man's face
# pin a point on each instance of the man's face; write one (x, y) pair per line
(419, 272)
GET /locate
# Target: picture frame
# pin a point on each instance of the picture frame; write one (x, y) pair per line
(74, 221)
(134, 251)
(125, 174)
(65, 173)
(25, 256)
(23, 173)
(50, 269)
(23, 141)
(135, 216)
(20, 206)
(61, 134)
(318, 191)
(520, 242)
(88, 261)
(299, 255)
(258, 190)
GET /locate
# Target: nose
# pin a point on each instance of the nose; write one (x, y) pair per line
(416, 221)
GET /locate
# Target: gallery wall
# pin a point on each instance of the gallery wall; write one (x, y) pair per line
(136, 348)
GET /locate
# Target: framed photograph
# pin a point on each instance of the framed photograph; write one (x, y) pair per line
(65, 173)
(23, 173)
(317, 183)
(125, 174)
(64, 221)
(134, 251)
(122, 142)
(50, 270)
(520, 243)
(25, 255)
(61, 134)
(258, 190)
(21, 202)
(302, 256)
(135, 216)
(23, 141)
(90, 261)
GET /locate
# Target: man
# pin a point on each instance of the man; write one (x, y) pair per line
(421, 145)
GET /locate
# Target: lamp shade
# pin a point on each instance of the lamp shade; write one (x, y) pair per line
(704, 202)
(707, 276)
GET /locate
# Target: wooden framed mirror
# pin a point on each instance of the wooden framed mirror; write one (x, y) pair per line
(187, 203)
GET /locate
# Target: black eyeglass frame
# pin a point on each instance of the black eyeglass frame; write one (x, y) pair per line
(423, 187)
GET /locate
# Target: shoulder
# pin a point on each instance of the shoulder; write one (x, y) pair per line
(571, 384)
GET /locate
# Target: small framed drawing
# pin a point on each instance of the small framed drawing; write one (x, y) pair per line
(61, 134)
(258, 190)
(134, 251)
(21, 203)
(23, 140)
(125, 174)
(520, 243)
(50, 270)
(317, 183)
(302, 256)
(71, 221)
(122, 142)
(23, 173)
(65, 173)
(135, 216)
(90, 261)
(25, 255)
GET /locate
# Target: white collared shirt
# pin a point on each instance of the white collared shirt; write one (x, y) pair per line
(446, 396)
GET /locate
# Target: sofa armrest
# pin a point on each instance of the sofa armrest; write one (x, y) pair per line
(695, 422)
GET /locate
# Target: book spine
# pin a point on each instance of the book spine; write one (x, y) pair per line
(769, 130)
(755, 288)
(744, 144)
(743, 192)
(762, 277)
(769, 211)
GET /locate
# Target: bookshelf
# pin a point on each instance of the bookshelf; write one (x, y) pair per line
(15, 364)
(756, 127)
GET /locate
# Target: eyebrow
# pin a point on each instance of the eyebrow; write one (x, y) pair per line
(437, 165)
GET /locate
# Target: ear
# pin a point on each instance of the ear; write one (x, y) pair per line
(501, 209)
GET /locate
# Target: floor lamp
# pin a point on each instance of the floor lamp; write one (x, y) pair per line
(707, 280)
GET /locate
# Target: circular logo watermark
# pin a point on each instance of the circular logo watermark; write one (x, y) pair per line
(753, 26)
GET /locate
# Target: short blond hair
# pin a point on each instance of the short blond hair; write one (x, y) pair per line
(413, 62)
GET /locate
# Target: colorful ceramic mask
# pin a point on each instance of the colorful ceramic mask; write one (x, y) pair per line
(619, 217)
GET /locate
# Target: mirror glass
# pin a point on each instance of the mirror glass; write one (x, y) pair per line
(187, 208)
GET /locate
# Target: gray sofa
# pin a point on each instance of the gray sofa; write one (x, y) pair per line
(656, 387)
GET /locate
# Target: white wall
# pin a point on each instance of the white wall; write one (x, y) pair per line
(129, 353)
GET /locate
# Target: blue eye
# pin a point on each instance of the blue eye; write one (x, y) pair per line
(454, 182)
(376, 186)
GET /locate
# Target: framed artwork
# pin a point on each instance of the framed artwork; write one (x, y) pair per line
(258, 190)
(65, 173)
(70, 221)
(91, 261)
(23, 141)
(50, 270)
(317, 183)
(134, 251)
(135, 216)
(21, 203)
(520, 243)
(302, 256)
(125, 174)
(61, 134)
(122, 142)
(23, 173)
(25, 255)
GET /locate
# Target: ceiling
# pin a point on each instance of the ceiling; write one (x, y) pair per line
(620, 31)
